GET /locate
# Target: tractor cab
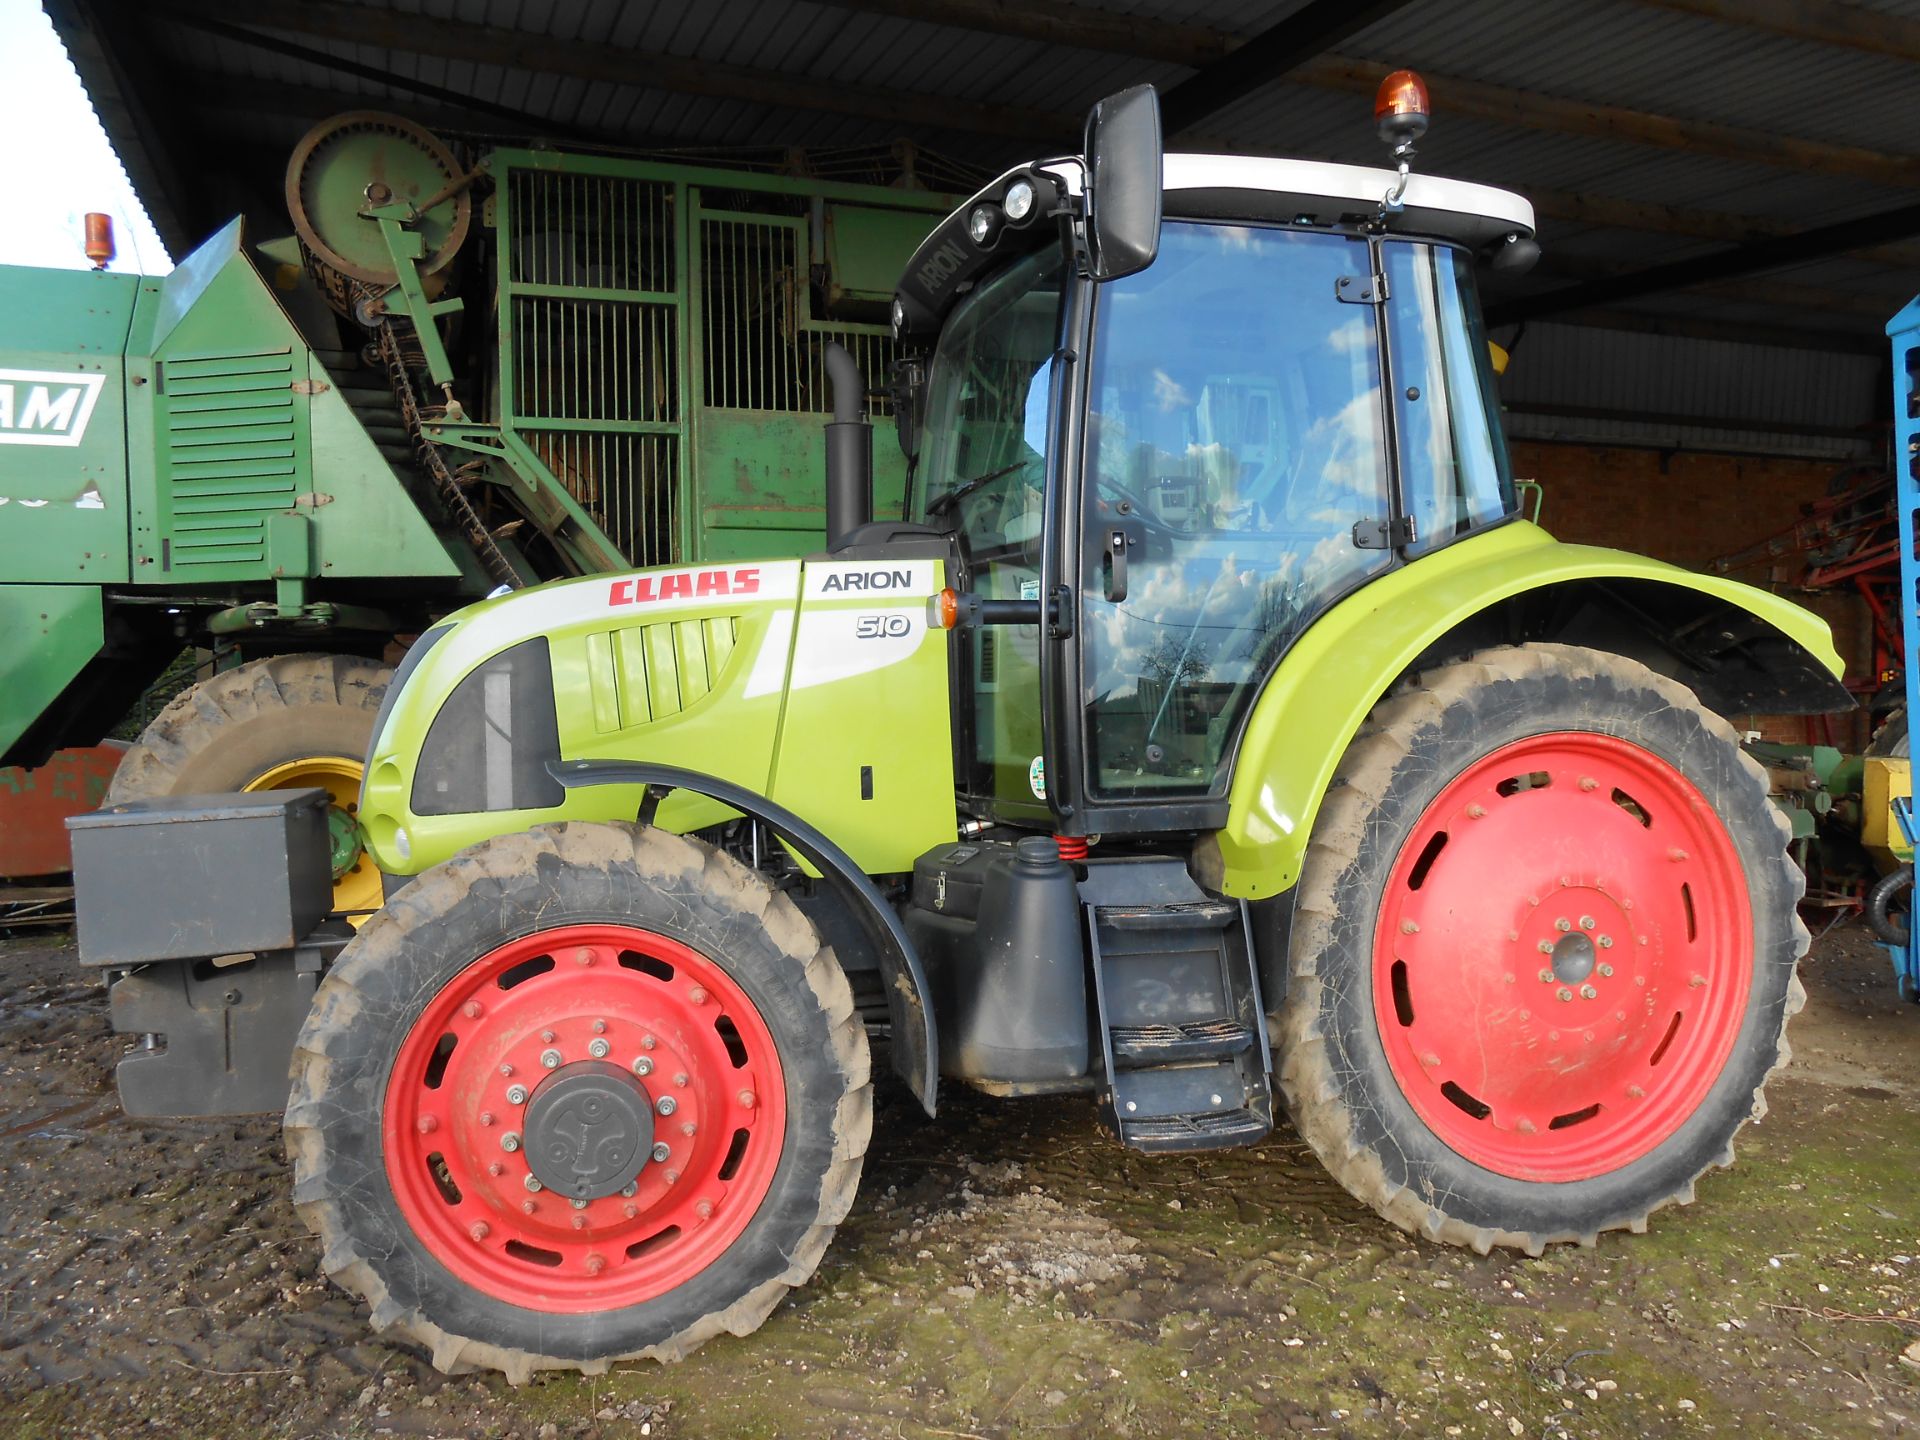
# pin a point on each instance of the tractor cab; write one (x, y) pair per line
(1162, 454)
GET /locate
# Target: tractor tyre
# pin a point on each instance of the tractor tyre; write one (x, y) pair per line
(287, 722)
(1544, 951)
(588, 1093)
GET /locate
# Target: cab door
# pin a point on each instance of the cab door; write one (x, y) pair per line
(1233, 483)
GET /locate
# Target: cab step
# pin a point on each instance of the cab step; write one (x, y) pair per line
(1183, 1032)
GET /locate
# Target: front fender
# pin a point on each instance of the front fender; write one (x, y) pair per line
(916, 1044)
(1339, 669)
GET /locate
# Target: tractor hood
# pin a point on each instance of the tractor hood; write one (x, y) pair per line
(769, 674)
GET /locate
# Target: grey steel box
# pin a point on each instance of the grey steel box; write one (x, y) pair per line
(198, 875)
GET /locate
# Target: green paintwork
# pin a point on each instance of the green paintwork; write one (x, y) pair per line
(1338, 670)
(241, 416)
(51, 632)
(763, 689)
(63, 508)
(760, 483)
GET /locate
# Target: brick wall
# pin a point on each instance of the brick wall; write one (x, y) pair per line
(1689, 508)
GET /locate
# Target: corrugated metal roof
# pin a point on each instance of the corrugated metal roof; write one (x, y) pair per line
(1641, 57)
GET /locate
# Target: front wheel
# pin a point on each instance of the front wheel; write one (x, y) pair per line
(1544, 951)
(587, 1093)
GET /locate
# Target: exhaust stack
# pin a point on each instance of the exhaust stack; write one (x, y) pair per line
(849, 449)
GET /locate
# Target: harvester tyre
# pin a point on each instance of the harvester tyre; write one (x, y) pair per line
(1543, 954)
(522, 952)
(284, 722)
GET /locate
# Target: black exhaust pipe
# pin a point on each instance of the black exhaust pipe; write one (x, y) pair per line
(849, 449)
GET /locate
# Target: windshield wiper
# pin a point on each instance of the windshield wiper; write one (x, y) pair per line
(960, 492)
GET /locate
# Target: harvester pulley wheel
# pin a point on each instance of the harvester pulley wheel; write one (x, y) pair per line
(1544, 952)
(494, 1014)
(330, 175)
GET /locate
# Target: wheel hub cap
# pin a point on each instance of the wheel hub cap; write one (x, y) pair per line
(589, 1127)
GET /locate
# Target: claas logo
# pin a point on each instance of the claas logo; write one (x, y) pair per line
(46, 407)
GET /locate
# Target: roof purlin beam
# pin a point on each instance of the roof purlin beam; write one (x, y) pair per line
(518, 49)
(1819, 21)
(1771, 253)
(1306, 33)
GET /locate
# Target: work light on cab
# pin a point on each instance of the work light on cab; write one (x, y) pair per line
(982, 223)
(1019, 201)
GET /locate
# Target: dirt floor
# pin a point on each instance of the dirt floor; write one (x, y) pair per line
(1008, 1271)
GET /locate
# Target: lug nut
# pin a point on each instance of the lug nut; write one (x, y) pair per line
(1476, 812)
(510, 1142)
(1587, 782)
(746, 1099)
(486, 1117)
(698, 995)
(1407, 927)
(661, 1152)
(595, 1264)
(1563, 993)
(627, 1191)
(1676, 855)
(496, 1169)
(583, 955)
(1586, 922)
(506, 1070)
(599, 1027)
(1563, 925)
(672, 1177)
(1606, 969)
(516, 1094)
(666, 1105)
(580, 1222)
(680, 1079)
(1546, 976)
(546, 1037)
(1605, 942)
(643, 1066)
(687, 1129)
(473, 1009)
(532, 1182)
(1587, 992)
(1546, 947)
(550, 1059)
(528, 1207)
(630, 1211)
(598, 1049)
(428, 1124)
(647, 1042)
(480, 1230)
(578, 1204)
(703, 1209)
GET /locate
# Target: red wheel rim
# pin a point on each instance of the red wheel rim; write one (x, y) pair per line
(1563, 957)
(575, 991)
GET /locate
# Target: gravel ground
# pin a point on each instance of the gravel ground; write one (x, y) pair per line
(1007, 1271)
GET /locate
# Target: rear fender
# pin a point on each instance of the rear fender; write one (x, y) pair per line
(1741, 649)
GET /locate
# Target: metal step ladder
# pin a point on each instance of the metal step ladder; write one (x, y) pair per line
(1182, 1027)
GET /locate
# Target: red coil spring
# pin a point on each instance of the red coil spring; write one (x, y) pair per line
(1072, 847)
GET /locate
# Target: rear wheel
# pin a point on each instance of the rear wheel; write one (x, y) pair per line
(1544, 951)
(582, 1094)
(287, 722)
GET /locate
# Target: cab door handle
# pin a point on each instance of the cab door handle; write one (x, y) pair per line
(1119, 540)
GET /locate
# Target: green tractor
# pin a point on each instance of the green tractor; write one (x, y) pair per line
(1208, 726)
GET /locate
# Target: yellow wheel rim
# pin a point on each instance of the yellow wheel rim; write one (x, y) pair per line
(359, 888)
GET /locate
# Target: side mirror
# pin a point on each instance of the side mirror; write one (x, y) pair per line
(1124, 182)
(906, 387)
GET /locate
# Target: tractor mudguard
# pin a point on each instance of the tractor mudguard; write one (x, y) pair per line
(916, 1055)
(1315, 702)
